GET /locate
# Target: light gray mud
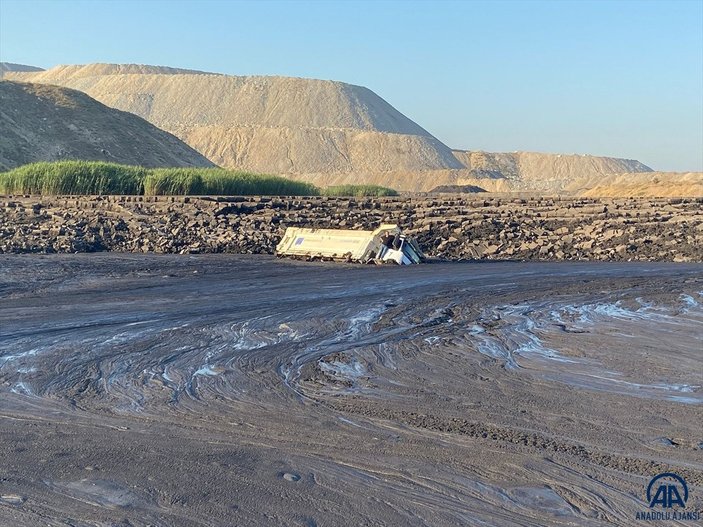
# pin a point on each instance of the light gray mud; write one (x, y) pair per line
(232, 390)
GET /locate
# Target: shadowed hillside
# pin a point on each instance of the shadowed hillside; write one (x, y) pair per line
(11, 67)
(47, 123)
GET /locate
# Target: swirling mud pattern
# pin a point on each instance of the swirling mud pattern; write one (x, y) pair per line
(232, 390)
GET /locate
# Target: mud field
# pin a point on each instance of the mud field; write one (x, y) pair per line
(217, 390)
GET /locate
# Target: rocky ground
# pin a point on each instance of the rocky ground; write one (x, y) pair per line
(454, 228)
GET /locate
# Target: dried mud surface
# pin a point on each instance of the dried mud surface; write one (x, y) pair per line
(209, 390)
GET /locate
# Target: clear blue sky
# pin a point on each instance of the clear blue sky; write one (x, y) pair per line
(601, 77)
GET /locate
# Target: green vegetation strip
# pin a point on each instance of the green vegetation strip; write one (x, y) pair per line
(95, 177)
(221, 182)
(358, 191)
(73, 177)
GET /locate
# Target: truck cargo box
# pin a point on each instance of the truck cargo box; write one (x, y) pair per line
(384, 244)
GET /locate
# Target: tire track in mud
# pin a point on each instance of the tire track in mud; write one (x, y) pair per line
(352, 378)
(530, 440)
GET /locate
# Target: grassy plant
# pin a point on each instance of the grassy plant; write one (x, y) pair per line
(93, 177)
(173, 181)
(221, 182)
(73, 177)
(359, 191)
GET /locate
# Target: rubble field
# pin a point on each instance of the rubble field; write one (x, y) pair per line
(452, 228)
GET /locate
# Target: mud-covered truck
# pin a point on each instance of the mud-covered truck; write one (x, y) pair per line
(385, 244)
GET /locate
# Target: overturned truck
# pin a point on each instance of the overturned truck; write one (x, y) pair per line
(385, 244)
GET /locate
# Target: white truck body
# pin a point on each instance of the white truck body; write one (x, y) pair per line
(383, 244)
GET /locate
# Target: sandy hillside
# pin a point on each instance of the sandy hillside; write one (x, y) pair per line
(47, 123)
(642, 184)
(329, 133)
(539, 171)
(60, 73)
(265, 124)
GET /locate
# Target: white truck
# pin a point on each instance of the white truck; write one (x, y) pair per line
(385, 244)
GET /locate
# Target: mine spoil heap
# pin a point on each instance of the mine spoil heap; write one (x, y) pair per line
(263, 124)
(453, 228)
(325, 132)
(49, 123)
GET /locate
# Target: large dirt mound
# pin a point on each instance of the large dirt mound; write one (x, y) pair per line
(265, 124)
(71, 72)
(325, 132)
(535, 171)
(664, 184)
(47, 123)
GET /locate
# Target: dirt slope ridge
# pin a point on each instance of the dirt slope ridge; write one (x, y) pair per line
(48, 123)
(329, 132)
(537, 166)
(267, 124)
(9, 66)
(643, 184)
(90, 70)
